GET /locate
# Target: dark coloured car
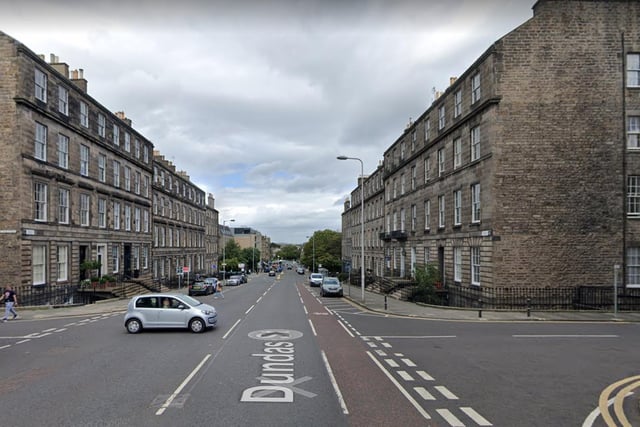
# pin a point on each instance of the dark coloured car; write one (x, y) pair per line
(272, 272)
(200, 288)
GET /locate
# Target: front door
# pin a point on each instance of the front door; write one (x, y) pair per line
(127, 261)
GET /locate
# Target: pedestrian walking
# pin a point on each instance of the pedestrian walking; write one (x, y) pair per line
(10, 301)
(218, 291)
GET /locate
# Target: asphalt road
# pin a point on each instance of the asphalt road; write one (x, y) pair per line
(281, 355)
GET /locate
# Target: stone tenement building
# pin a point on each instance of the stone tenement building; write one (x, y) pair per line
(525, 171)
(179, 227)
(76, 178)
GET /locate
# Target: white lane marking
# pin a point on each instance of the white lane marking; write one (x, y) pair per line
(565, 336)
(312, 328)
(365, 338)
(43, 335)
(166, 404)
(5, 346)
(49, 330)
(391, 363)
(372, 344)
(381, 353)
(70, 324)
(424, 393)
(231, 329)
(23, 341)
(445, 392)
(409, 363)
(258, 300)
(60, 330)
(377, 338)
(398, 354)
(336, 388)
(386, 344)
(402, 390)
(424, 375)
(405, 376)
(591, 418)
(450, 418)
(305, 309)
(479, 419)
(346, 329)
(417, 336)
(250, 308)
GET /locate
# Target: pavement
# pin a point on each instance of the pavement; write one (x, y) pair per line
(373, 302)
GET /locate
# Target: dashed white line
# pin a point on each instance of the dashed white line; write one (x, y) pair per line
(167, 403)
(250, 308)
(479, 419)
(424, 393)
(336, 388)
(224, 337)
(346, 329)
(312, 328)
(450, 418)
(424, 375)
(405, 376)
(23, 341)
(445, 392)
(5, 346)
(409, 363)
(391, 363)
(402, 390)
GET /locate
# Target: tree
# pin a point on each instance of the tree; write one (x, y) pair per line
(328, 250)
(289, 252)
(427, 277)
(248, 255)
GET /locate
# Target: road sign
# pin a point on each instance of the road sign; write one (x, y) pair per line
(185, 269)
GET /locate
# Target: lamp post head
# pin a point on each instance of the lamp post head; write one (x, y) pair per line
(342, 158)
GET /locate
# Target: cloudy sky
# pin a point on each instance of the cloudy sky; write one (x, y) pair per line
(255, 99)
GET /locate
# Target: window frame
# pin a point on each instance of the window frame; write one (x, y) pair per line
(84, 209)
(41, 81)
(474, 142)
(474, 252)
(457, 104)
(39, 265)
(102, 125)
(427, 214)
(633, 195)
(85, 156)
(64, 198)
(457, 207)
(40, 142)
(633, 132)
(84, 114)
(475, 203)
(633, 70)
(476, 91)
(63, 151)
(63, 100)
(40, 201)
(442, 117)
(442, 211)
(62, 263)
(457, 152)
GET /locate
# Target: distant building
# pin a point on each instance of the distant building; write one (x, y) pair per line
(525, 171)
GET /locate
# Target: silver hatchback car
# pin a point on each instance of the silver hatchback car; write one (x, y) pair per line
(168, 311)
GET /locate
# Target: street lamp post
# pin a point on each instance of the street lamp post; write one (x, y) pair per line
(313, 256)
(361, 220)
(224, 249)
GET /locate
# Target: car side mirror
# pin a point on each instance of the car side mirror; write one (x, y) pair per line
(181, 306)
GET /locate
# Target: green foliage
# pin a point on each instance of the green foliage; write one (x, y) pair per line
(327, 245)
(428, 279)
(90, 265)
(289, 252)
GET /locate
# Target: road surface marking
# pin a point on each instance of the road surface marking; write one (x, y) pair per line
(229, 331)
(391, 363)
(450, 418)
(565, 336)
(409, 363)
(445, 392)
(405, 376)
(381, 353)
(181, 386)
(336, 388)
(346, 329)
(372, 344)
(402, 390)
(425, 376)
(424, 393)
(312, 328)
(386, 344)
(479, 419)
(250, 308)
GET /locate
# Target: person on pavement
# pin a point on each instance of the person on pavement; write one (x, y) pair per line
(10, 301)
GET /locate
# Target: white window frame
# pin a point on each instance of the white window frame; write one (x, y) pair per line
(442, 118)
(40, 85)
(427, 129)
(145, 221)
(39, 264)
(62, 263)
(475, 203)
(476, 92)
(633, 70)
(40, 201)
(85, 206)
(457, 152)
(116, 174)
(633, 267)
(441, 160)
(457, 102)
(102, 167)
(64, 196)
(102, 125)
(127, 178)
(84, 160)
(633, 132)
(127, 142)
(414, 217)
(115, 258)
(427, 169)
(136, 219)
(475, 265)
(457, 264)
(116, 215)
(116, 135)
(84, 114)
(63, 151)
(127, 218)
(63, 100)
(414, 177)
(474, 136)
(427, 214)
(102, 213)
(457, 207)
(633, 195)
(137, 177)
(441, 211)
(145, 154)
(136, 147)
(40, 142)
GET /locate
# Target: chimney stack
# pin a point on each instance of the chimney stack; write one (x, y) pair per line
(78, 79)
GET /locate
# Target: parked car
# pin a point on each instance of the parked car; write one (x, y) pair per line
(200, 288)
(300, 270)
(168, 311)
(272, 272)
(330, 286)
(234, 281)
(211, 282)
(315, 279)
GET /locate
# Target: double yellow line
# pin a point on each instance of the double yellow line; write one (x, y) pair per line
(625, 386)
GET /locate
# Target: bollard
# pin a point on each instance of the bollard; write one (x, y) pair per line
(385, 303)
(528, 307)
(480, 308)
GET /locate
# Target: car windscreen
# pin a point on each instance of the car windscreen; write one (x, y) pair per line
(189, 300)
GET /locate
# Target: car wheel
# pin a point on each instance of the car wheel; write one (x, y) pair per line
(196, 325)
(133, 326)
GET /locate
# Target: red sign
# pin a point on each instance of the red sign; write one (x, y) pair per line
(185, 269)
